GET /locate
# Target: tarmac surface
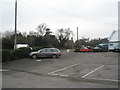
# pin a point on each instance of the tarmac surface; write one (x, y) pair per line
(71, 70)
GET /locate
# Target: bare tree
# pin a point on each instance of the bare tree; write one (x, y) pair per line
(41, 29)
(63, 36)
(24, 34)
(32, 33)
(8, 34)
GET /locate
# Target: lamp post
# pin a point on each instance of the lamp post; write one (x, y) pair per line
(77, 33)
(15, 40)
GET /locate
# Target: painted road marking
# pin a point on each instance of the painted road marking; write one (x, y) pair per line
(59, 75)
(54, 74)
(3, 70)
(39, 60)
(64, 75)
(63, 69)
(105, 79)
(92, 71)
(109, 80)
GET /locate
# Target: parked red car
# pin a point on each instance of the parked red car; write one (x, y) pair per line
(84, 49)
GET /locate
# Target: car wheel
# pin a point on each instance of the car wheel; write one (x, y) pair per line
(34, 56)
(54, 56)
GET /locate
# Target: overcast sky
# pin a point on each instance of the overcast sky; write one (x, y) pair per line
(94, 18)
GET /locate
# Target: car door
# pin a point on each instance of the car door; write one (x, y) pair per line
(49, 52)
(42, 53)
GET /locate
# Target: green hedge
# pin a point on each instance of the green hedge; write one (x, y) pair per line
(9, 55)
(6, 55)
(20, 53)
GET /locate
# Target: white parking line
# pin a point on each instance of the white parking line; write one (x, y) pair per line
(92, 71)
(62, 69)
(59, 75)
(3, 70)
(54, 74)
(39, 60)
(63, 75)
(105, 79)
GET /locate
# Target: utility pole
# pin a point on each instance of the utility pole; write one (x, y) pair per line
(77, 33)
(15, 42)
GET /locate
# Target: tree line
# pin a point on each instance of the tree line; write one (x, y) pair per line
(43, 37)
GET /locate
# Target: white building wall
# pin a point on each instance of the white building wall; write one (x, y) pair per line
(114, 40)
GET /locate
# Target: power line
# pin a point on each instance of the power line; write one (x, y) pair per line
(70, 14)
(30, 6)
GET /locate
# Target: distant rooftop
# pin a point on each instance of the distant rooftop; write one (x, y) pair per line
(115, 36)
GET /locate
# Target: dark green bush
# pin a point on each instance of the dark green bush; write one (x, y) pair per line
(36, 48)
(9, 55)
(21, 53)
(6, 55)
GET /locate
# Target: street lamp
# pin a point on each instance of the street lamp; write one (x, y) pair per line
(15, 40)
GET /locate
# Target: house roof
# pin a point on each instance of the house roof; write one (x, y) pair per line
(115, 36)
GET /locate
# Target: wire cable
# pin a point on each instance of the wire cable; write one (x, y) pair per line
(68, 13)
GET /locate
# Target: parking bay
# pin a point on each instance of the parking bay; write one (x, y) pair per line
(104, 71)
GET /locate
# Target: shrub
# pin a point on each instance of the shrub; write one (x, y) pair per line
(36, 48)
(6, 55)
(21, 53)
(9, 55)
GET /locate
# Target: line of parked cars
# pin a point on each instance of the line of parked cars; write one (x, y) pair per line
(55, 53)
(98, 48)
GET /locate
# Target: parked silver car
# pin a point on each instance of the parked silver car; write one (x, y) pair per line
(46, 52)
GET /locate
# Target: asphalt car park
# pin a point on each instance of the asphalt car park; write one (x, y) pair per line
(71, 70)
